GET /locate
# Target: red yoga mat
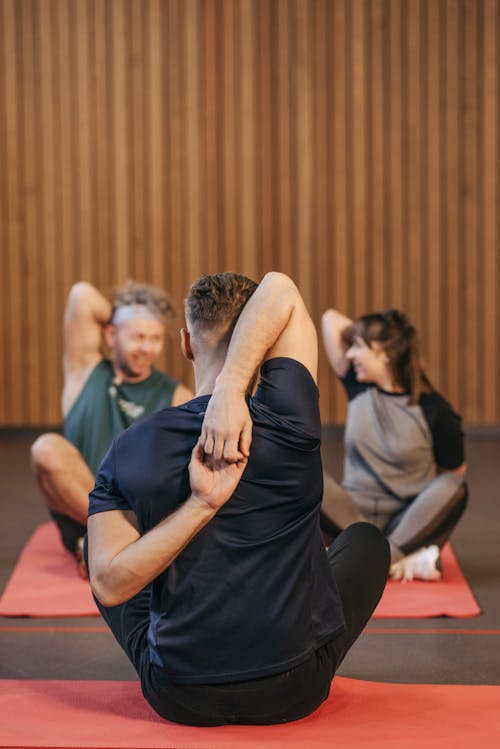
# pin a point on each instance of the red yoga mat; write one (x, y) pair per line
(450, 596)
(45, 583)
(113, 715)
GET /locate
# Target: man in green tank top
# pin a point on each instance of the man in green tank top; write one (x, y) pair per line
(102, 396)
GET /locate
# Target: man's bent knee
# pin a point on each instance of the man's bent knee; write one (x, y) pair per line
(48, 451)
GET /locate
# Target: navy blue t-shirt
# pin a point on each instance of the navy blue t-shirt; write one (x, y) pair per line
(252, 594)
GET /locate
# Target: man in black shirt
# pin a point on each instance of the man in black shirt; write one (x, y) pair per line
(205, 552)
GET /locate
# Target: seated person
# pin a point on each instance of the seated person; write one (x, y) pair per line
(101, 396)
(404, 454)
(204, 547)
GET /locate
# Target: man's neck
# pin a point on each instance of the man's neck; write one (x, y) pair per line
(205, 374)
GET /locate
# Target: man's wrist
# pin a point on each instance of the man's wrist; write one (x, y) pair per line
(230, 382)
(201, 504)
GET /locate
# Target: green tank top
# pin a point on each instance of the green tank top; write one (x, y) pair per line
(103, 409)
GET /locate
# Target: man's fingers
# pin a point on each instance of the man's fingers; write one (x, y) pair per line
(231, 452)
(208, 445)
(218, 450)
(197, 452)
(203, 435)
(246, 439)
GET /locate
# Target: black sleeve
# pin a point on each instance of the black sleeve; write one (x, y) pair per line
(287, 389)
(351, 385)
(106, 495)
(446, 429)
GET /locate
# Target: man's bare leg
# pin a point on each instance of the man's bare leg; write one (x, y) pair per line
(62, 475)
(65, 481)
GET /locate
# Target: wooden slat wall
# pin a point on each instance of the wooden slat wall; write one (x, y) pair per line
(353, 144)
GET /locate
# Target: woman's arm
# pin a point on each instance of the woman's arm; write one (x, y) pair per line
(333, 324)
(460, 471)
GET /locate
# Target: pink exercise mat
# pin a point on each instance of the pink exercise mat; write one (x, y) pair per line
(45, 583)
(358, 714)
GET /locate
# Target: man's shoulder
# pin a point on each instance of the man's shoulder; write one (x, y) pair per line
(96, 377)
(287, 367)
(166, 420)
(288, 394)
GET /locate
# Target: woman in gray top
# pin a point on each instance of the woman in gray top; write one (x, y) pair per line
(404, 454)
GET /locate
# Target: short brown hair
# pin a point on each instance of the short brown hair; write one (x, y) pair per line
(155, 299)
(217, 300)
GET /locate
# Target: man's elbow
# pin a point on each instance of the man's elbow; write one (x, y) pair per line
(277, 278)
(80, 292)
(280, 286)
(107, 594)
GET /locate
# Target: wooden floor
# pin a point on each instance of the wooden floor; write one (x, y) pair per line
(455, 651)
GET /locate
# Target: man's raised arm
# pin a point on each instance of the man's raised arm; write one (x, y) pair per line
(274, 322)
(87, 312)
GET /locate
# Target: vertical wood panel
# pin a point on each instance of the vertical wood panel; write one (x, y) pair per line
(14, 364)
(396, 157)
(4, 267)
(283, 155)
(471, 196)
(103, 139)
(432, 344)
(230, 257)
(26, 321)
(353, 144)
(138, 166)
(121, 128)
(489, 312)
(191, 146)
(211, 138)
(320, 245)
(247, 172)
(50, 292)
(83, 153)
(303, 154)
(453, 214)
(375, 145)
(263, 142)
(338, 207)
(413, 176)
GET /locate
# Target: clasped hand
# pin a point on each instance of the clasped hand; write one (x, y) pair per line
(226, 431)
(213, 481)
(221, 453)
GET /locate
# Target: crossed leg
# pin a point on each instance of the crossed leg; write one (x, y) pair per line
(65, 481)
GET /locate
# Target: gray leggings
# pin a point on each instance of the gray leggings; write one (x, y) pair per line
(428, 518)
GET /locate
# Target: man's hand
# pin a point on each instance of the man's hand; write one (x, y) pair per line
(226, 432)
(213, 481)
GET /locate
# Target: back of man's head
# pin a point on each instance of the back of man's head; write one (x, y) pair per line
(135, 299)
(214, 303)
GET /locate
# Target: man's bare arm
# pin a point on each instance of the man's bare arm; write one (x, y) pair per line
(274, 322)
(122, 562)
(87, 312)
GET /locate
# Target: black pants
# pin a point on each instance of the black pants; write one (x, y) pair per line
(359, 560)
(70, 530)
